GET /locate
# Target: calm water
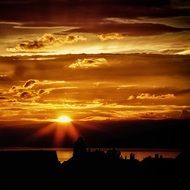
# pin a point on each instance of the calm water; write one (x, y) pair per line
(65, 154)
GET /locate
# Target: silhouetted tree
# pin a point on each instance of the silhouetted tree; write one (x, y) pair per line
(132, 156)
(80, 148)
(113, 153)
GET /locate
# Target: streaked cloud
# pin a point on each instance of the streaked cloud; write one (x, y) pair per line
(111, 36)
(88, 63)
(177, 22)
(130, 29)
(88, 111)
(155, 97)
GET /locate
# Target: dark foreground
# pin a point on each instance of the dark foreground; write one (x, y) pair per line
(89, 170)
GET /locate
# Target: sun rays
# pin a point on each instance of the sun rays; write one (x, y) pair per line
(61, 128)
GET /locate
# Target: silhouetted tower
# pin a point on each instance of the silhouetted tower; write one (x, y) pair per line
(132, 156)
(80, 148)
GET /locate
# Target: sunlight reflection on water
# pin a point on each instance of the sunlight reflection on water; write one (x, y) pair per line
(65, 154)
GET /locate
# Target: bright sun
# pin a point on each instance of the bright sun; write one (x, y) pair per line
(64, 119)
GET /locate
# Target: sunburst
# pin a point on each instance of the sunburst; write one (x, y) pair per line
(60, 127)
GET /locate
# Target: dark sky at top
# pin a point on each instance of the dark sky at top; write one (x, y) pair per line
(65, 11)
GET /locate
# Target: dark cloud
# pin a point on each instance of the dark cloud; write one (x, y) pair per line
(129, 29)
(173, 51)
(45, 40)
(25, 95)
(31, 45)
(41, 91)
(2, 98)
(182, 92)
(29, 91)
(180, 3)
(69, 39)
(30, 83)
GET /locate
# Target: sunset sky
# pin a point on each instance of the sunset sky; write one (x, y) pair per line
(94, 60)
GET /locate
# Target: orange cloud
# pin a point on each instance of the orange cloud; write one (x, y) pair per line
(111, 36)
(87, 63)
(33, 90)
(131, 97)
(154, 97)
(45, 41)
(30, 83)
(73, 39)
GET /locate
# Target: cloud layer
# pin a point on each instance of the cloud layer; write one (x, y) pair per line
(154, 97)
(137, 86)
(98, 59)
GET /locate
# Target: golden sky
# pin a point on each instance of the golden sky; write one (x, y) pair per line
(94, 61)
